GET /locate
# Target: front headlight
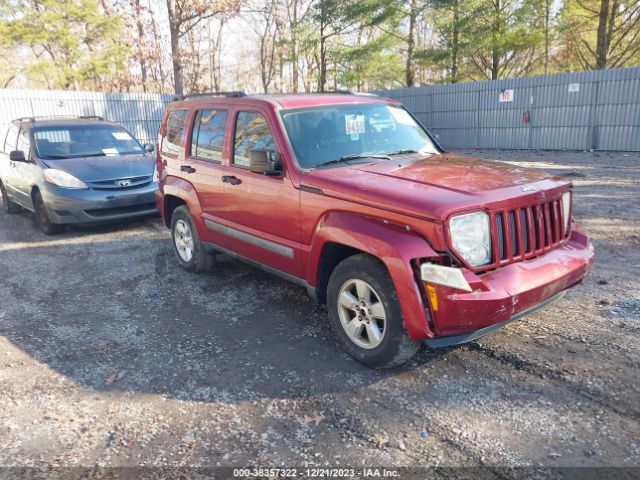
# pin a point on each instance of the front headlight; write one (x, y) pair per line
(62, 179)
(566, 210)
(471, 237)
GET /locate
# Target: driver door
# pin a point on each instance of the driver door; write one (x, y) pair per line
(260, 215)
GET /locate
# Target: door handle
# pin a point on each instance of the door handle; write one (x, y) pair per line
(187, 169)
(231, 179)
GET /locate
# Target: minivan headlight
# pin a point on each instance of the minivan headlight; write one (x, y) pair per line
(62, 179)
(471, 238)
(566, 210)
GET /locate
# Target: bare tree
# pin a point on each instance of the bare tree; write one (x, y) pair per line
(184, 16)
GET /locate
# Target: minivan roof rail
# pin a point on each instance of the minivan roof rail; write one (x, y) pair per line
(211, 94)
(53, 117)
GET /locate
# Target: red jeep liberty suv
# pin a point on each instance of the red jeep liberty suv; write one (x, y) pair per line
(351, 197)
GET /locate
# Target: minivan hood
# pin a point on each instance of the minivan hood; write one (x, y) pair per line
(97, 169)
(435, 186)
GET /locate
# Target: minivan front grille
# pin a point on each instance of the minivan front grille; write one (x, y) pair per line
(526, 232)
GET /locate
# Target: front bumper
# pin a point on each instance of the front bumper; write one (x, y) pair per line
(67, 206)
(510, 292)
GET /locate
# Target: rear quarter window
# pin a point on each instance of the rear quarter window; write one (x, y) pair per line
(173, 132)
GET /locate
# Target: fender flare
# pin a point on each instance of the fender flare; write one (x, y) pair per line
(185, 191)
(392, 244)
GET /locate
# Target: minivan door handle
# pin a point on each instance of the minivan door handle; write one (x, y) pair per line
(187, 169)
(231, 179)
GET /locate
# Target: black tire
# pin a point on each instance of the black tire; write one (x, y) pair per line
(42, 217)
(200, 260)
(396, 347)
(9, 206)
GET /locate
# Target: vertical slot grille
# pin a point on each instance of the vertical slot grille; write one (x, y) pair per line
(527, 232)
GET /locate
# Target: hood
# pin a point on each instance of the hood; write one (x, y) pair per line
(97, 169)
(437, 185)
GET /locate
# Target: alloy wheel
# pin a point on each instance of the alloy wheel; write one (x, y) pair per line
(362, 314)
(183, 238)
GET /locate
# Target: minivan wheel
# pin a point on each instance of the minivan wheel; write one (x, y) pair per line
(186, 243)
(365, 314)
(42, 217)
(9, 206)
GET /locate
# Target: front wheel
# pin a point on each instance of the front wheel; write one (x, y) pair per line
(42, 217)
(365, 313)
(186, 243)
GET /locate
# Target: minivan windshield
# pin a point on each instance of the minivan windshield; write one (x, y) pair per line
(332, 134)
(76, 141)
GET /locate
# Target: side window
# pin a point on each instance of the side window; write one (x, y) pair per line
(252, 131)
(173, 132)
(10, 140)
(23, 143)
(207, 139)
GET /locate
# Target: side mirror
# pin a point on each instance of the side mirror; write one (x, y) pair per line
(17, 156)
(148, 147)
(264, 162)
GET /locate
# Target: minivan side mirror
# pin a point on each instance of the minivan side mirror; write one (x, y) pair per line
(17, 156)
(149, 147)
(264, 161)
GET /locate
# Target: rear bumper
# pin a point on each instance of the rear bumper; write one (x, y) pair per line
(508, 293)
(68, 206)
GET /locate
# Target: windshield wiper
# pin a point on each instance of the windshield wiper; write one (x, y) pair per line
(353, 156)
(402, 152)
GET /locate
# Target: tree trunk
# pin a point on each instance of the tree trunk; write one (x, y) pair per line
(141, 53)
(601, 42)
(409, 80)
(294, 48)
(174, 32)
(323, 59)
(495, 53)
(455, 47)
(547, 19)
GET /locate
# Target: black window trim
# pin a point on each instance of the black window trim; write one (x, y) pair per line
(164, 136)
(235, 126)
(193, 130)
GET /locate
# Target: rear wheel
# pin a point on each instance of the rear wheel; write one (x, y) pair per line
(42, 217)
(365, 313)
(9, 206)
(186, 242)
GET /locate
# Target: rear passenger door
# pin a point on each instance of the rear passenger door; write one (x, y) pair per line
(205, 154)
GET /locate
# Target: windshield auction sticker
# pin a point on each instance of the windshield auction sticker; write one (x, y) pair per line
(354, 124)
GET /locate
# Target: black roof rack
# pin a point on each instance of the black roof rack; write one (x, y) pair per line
(210, 94)
(91, 117)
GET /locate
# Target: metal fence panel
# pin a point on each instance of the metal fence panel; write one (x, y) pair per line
(597, 110)
(140, 113)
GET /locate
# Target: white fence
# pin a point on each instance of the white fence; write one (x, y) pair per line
(140, 113)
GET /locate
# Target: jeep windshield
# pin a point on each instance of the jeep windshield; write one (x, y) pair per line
(340, 134)
(76, 141)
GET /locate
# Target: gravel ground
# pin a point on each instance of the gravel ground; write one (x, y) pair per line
(110, 355)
